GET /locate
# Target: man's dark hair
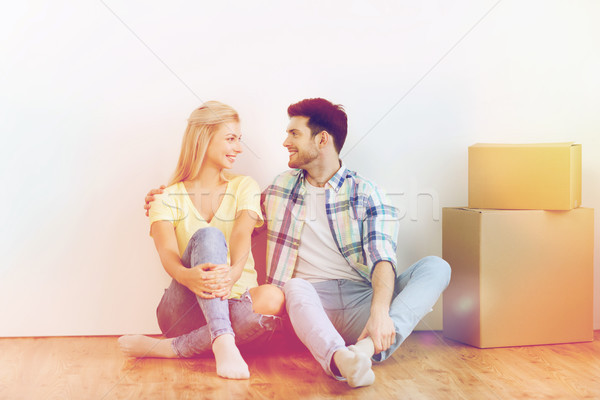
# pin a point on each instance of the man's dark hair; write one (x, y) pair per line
(323, 116)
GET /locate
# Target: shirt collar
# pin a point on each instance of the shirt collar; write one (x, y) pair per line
(335, 182)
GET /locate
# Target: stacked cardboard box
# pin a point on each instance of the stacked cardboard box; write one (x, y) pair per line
(522, 252)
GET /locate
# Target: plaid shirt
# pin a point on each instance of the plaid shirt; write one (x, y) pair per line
(363, 223)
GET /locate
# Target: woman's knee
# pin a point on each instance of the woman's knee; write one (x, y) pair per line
(267, 300)
(208, 235)
(206, 245)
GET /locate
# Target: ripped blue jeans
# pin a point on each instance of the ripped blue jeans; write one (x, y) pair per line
(195, 322)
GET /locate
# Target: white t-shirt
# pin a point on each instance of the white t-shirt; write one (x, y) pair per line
(319, 258)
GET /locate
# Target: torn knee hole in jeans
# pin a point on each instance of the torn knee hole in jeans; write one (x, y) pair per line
(269, 322)
(246, 296)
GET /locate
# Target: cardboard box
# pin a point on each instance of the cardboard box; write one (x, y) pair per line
(519, 277)
(525, 176)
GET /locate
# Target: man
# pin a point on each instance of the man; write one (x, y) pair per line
(331, 245)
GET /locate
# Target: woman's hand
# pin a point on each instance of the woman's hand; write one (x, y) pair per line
(225, 291)
(150, 198)
(207, 279)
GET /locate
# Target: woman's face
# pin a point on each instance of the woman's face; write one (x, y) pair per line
(225, 145)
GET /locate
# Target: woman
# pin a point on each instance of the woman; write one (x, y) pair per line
(202, 225)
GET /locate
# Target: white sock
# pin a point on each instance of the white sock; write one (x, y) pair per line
(354, 366)
(230, 363)
(364, 346)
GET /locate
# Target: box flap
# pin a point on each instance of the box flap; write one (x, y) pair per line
(463, 209)
(564, 144)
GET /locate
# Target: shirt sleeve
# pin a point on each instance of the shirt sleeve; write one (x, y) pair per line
(165, 207)
(380, 230)
(248, 198)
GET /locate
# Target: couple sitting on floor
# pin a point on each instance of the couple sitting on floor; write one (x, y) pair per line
(331, 252)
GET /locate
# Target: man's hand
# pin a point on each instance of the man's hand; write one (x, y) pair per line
(380, 328)
(150, 198)
(206, 279)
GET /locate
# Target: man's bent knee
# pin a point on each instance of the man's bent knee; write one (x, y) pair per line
(439, 267)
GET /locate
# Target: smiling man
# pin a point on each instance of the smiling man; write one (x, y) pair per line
(331, 245)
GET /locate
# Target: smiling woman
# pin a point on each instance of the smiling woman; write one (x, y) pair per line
(201, 225)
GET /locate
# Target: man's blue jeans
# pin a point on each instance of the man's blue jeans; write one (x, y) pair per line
(329, 315)
(195, 322)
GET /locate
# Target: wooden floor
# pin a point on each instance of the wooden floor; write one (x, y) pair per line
(425, 367)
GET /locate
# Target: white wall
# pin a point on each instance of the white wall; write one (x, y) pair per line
(94, 98)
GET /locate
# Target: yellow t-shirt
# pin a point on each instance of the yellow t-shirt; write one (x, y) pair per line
(175, 205)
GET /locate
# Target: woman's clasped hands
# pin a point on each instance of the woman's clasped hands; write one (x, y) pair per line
(209, 280)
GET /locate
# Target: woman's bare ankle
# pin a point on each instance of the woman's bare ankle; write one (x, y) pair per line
(146, 346)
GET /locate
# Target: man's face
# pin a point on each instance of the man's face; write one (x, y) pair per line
(300, 143)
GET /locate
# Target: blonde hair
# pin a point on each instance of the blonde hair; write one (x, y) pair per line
(202, 125)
